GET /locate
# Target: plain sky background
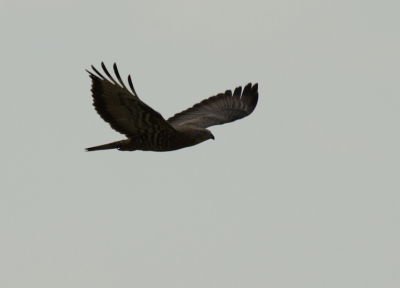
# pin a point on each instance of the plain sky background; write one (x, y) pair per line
(305, 192)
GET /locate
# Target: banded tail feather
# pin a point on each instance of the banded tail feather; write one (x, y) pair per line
(120, 145)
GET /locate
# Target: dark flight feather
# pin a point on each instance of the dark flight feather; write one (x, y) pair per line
(219, 109)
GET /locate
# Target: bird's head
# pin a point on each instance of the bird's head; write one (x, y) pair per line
(203, 135)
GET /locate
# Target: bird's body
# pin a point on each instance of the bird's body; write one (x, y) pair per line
(184, 137)
(147, 130)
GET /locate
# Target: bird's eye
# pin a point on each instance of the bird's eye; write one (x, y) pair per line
(202, 132)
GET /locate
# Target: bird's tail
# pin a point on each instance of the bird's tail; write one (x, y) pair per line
(120, 145)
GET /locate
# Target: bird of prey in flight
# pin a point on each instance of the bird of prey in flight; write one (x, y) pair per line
(145, 128)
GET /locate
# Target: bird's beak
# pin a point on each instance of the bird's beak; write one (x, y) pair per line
(212, 137)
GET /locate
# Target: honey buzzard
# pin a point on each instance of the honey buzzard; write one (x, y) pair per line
(147, 130)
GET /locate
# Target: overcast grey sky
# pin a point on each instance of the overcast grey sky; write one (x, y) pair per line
(302, 193)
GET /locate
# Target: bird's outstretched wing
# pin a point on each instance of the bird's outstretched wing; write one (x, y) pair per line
(220, 109)
(122, 109)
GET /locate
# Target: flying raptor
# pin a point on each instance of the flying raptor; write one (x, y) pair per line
(147, 130)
